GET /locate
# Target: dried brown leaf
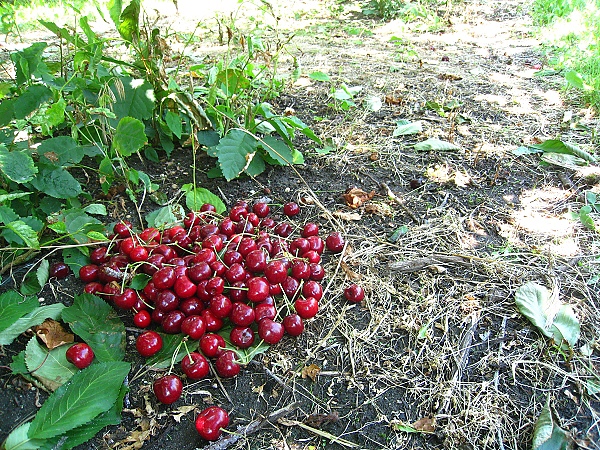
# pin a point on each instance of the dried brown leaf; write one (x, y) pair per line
(53, 334)
(182, 411)
(311, 372)
(347, 216)
(449, 77)
(426, 424)
(355, 197)
(349, 272)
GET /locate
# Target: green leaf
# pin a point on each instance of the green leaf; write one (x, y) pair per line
(563, 160)
(134, 98)
(195, 198)
(234, 152)
(552, 318)
(30, 100)
(28, 60)
(12, 196)
(174, 123)
(558, 146)
(35, 317)
(128, 25)
(547, 435)
(50, 368)
(18, 439)
(25, 232)
(74, 258)
(13, 306)
(277, 150)
(524, 150)
(96, 208)
(98, 325)
(17, 166)
(114, 10)
(399, 426)
(60, 151)
(171, 345)
(435, 145)
(89, 393)
(574, 79)
(56, 182)
(43, 272)
(256, 166)
(319, 76)
(129, 136)
(167, 215)
(139, 281)
(404, 127)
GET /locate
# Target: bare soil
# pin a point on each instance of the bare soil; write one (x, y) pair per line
(438, 344)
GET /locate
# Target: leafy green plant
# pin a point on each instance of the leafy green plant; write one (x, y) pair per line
(587, 212)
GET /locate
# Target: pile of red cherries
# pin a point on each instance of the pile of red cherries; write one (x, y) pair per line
(255, 275)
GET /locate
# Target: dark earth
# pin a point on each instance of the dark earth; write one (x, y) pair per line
(481, 373)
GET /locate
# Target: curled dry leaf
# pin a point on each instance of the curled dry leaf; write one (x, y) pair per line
(347, 216)
(53, 334)
(182, 411)
(355, 197)
(350, 273)
(311, 372)
(426, 424)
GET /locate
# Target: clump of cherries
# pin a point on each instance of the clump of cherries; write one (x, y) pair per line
(246, 270)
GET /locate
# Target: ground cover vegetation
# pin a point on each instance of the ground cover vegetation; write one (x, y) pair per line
(390, 257)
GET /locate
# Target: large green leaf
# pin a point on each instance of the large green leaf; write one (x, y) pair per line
(98, 325)
(195, 198)
(547, 435)
(35, 317)
(13, 306)
(28, 61)
(558, 146)
(25, 232)
(56, 182)
(128, 25)
(173, 121)
(129, 136)
(133, 98)
(88, 393)
(234, 152)
(50, 368)
(18, 439)
(60, 151)
(544, 310)
(404, 127)
(30, 100)
(277, 150)
(17, 166)
(114, 10)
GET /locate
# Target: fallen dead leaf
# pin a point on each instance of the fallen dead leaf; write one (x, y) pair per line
(355, 197)
(311, 372)
(182, 411)
(347, 216)
(53, 334)
(449, 77)
(349, 272)
(426, 424)
(393, 100)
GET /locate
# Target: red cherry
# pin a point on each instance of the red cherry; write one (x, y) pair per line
(191, 306)
(260, 209)
(126, 299)
(59, 270)
(220, 306)
(291, 209)
(80, 355)
(164, 278)
(172, 321)
(301, 270)
(148, 343)
(99, 255)
(168, 389)
(335, 242)
(306, 307)
(193, 326)
(312, 289)
(256, 261)
(123, 228)
(210, 422)
(283, 229)
(212, 345)
(293, 324)
(138, 254)
(207, 207)
(166, 301)
(93, 287)
(258, 289)
(264, 310)
(276, 271)
(354, 293)
(195, 366)
(212, 322)
(270, 331)
(142, 319)
(89, 273)
(226, 365)
(242, 337)
(309, 229)
(242, 315)
(184, 287)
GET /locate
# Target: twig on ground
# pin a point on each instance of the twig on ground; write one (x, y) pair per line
(414, 265)
(400, 203)
(324, 434)
(252, 427)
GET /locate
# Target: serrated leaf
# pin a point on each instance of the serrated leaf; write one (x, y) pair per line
(407, 128)
(319, 76)
(257, 165)
(234, 153)
(129, 136)
(74, 258)
(195, 198)
(43, 272)
(96, 236)
(278, 150)
(35, 317)
(25, 232)
(139, 281)
(547, 435)
(98, 325)
(171, 351)
(17, 166)
(56, 182)
(13, 306)
(433, 144)
(88, 393)
(134, 97)
(166, 215)
(552, 318)
(60, 151)
(12, 196)
(173, 121)
(50, 368)
(96, 208)
(18, 439)
(30, 100)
